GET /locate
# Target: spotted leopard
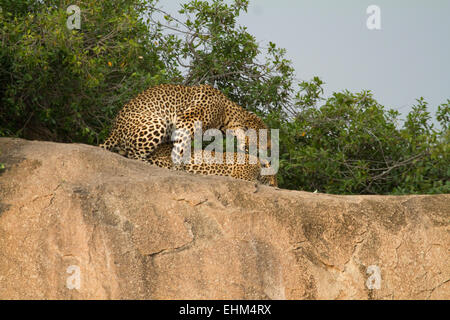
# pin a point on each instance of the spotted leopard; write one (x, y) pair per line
(152, 117)
(249, 169)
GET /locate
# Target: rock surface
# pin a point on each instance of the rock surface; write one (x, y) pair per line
(128, 230)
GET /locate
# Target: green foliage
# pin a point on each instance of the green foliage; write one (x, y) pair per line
(211, 48)
(67, 85)
(350, 144)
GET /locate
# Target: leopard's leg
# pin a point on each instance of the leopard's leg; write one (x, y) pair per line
(110, 143)
(181, 148)
(182, 138)
(113, 144)
(143, 140)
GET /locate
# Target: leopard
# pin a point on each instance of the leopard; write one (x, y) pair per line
(249, 169)
(154, 115)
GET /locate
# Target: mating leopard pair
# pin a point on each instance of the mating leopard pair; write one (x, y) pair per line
(151, 118)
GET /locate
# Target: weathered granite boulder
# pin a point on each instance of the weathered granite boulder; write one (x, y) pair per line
(80, 222)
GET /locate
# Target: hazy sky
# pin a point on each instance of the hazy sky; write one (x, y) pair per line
(408, 58)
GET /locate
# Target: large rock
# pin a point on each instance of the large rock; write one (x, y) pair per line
(128, 230)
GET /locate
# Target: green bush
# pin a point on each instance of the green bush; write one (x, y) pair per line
(350, 144)
(66, 85)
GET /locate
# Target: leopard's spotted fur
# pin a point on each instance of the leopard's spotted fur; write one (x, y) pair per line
(150, 119)
(248, 170)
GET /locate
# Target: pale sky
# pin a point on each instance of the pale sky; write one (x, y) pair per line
(408, 58)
